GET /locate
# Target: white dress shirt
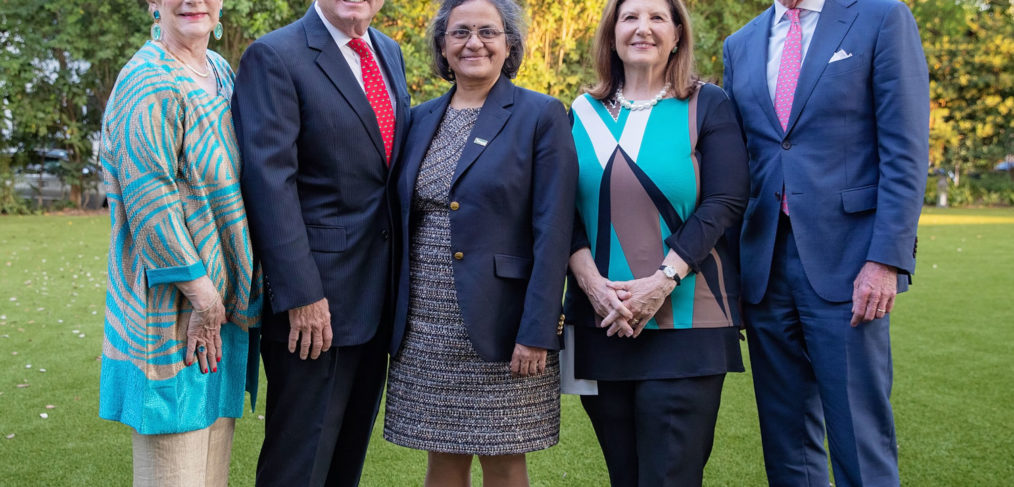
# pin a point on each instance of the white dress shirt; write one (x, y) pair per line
(342, 40)
(809, 12)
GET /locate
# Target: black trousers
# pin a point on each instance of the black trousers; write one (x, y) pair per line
(656, 433)
(320, 413)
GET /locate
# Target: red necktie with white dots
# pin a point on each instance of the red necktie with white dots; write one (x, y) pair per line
(788, 77)
(376, 93)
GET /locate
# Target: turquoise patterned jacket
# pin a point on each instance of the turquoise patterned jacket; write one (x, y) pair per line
(171, 171)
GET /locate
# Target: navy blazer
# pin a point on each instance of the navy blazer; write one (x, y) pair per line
(855, 157)
(314, 177)
(512, 210)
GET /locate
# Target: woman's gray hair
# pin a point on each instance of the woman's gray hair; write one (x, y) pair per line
(514, 27)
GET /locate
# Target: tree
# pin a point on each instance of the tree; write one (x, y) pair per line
(54, 55)
(59, 61)
(971, 87)
(712, 22)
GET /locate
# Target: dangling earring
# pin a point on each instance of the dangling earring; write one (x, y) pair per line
(675, 48)
(156, 29)
(218, 27)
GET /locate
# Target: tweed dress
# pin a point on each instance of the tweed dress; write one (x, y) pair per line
(441, 396)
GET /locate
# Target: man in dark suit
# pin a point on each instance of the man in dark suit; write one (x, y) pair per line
(834, 100)
(320, 109)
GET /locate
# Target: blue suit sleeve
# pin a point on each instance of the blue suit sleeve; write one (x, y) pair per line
(901, 95)
(554, 184)
(266, 115)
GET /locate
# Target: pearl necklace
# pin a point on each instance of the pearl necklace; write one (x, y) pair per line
(642, 105)
(191, 68)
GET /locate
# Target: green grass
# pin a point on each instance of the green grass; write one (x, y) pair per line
(952, 341)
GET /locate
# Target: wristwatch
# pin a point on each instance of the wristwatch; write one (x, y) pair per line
(670, 272)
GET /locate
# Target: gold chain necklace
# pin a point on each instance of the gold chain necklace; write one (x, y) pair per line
(191, 68)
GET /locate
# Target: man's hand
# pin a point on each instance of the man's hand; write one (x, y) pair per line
(310, 325)
(873, 292)
(528, 361)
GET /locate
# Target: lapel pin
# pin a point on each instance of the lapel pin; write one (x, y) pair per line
(481, 141)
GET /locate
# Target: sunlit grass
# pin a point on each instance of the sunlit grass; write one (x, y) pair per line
(952, 341)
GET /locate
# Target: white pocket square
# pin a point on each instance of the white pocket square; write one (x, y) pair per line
(839, 55)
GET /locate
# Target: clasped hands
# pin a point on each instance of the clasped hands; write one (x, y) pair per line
(627, 306)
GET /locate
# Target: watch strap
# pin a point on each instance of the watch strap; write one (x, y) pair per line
(675, 276)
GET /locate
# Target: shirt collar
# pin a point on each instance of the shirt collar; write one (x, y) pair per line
(339, 36)
(812, 5)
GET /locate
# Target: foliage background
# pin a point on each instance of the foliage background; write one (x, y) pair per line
(59, 60)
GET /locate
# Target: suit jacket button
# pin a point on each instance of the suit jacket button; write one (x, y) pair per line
(562, 317)
(384, 233)
(455, 205)
(786, 145)
(459, 255)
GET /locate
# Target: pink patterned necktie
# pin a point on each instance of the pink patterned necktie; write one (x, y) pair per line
(376, 93)
(788, 77)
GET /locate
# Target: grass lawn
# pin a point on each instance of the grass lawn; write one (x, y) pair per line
(953, 369)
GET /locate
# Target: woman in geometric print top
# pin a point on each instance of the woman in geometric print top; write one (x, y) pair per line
(183, 286)
(653, 289)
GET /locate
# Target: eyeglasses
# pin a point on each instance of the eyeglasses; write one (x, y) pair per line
(485, 34)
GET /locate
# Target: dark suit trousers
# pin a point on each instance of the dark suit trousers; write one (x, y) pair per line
(656, 433)
(811, 372)
(320, 413)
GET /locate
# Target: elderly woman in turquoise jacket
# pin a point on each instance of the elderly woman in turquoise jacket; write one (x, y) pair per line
(183, 287)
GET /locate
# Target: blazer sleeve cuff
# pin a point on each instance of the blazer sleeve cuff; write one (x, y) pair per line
(894, 251)
(292, 282)
(550, 343)
(673, 242)
(541, 335)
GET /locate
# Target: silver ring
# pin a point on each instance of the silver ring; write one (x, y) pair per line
(882, 310)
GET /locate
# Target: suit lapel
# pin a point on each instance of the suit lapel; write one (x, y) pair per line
(835, 21)
(424, 128)
(332, 62)
(492, 117)
(758, 51)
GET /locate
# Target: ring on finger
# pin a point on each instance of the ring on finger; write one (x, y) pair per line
(882, 310)
(201, 349)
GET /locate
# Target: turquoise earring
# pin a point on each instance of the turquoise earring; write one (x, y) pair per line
(156, 29)
(218, 27)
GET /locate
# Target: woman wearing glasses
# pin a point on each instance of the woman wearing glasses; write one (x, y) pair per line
(486, 192)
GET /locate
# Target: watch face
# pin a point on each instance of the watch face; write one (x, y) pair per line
(669, 272)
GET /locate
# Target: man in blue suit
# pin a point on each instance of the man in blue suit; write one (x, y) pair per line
(320, 109)
(834, 100)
